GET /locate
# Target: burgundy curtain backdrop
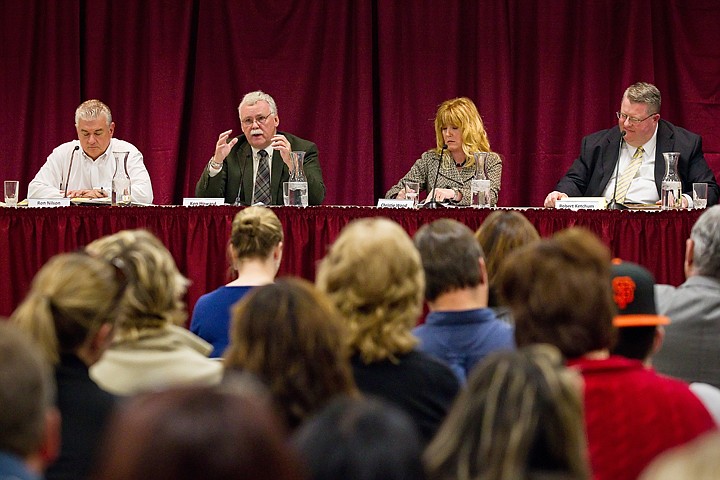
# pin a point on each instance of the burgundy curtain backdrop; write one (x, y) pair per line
(362, 78)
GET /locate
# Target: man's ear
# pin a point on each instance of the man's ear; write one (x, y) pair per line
(658, 339)
(689, 252)
(49, 449)
(483, 272)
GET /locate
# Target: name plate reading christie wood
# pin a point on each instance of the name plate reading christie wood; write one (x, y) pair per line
(198, 202)
(395, 203)
(49, 202)
(582, 203)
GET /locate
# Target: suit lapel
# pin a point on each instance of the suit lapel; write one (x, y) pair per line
(248, 173)
(609, 160)
(275, 177)
(663, 143)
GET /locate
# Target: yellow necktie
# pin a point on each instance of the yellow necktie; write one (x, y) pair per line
(623, 183)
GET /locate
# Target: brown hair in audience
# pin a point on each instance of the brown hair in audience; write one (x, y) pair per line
(256, 231)
(520, 417)
(374, 275)
(559, 292)
(696, 460)
(211, 433)
(71, 299)
(502, 232)
(290, 336)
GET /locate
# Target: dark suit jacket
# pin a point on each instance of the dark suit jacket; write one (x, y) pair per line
(590, 173)
(238, 167)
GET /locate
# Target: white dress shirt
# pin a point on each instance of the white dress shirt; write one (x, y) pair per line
(642, 189)
(86, 173)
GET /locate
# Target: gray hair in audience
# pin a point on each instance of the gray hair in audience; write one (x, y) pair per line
(258, 96)
(646, 93)
(706, 236)
(92, 109)
(27, 391)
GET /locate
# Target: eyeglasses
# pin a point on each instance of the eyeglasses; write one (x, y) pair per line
(634, 121)
(248, 122)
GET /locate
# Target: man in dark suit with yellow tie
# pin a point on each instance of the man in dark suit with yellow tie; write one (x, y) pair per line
(252, 167)
(647, 137)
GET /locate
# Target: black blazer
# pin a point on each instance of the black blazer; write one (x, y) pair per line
(590, 173)
(238, 167)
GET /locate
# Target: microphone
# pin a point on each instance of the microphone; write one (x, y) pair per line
(238, 199)
(67, 179)
(614, 205)
(434, 203)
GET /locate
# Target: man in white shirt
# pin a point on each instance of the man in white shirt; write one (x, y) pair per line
(84, 168)
(594, 173)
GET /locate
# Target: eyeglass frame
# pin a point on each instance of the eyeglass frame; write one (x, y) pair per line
(633, 120)
(261, 119)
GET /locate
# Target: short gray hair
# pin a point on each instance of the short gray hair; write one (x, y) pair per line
(646, 93)
(27, 391)
(92, 109)
(254, 97)
(706, 236)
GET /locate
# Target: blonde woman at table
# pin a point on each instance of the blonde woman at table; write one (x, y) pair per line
(151, 349)
(459, 132)
(255, 250)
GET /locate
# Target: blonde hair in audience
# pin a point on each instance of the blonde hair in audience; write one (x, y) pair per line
(697, 460)
(462, 112)
(374, 276)
(256, 231)
(153, 297)
(71, 297)
(92, 109)
(500, 233)
(520, 415)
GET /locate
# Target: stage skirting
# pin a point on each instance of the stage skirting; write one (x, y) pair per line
(197, 236)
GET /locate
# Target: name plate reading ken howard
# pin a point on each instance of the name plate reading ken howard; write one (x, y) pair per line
(395, 203)
(49, 202)
(199, 202)
(582, 203)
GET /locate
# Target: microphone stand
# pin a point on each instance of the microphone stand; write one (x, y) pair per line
(614, 205)
(67, 180)
(434, 203)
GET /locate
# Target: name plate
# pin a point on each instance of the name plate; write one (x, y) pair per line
(199, 202)
(582, 203)
(49, 202)
(395, 203)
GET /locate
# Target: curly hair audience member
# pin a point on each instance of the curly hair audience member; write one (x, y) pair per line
(255, 250)
(520, 417)
(71, 311)
(290, 336)
(192, 432)
(29, 421)
(374, 275)
(559, 291)
(361, 439)
(150, 349)
(500, 233)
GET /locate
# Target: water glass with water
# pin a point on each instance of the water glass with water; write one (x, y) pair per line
(12, 190)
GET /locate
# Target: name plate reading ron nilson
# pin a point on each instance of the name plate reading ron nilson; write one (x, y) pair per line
(49, 202)
(395, 203)
(199, 202)
(582, 203)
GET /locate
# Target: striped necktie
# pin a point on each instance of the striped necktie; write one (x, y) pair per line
(262, 180)
(623, 183)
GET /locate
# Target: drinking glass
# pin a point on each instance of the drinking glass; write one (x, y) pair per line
(12, 188)
(412, 190)
(700, 195)
(480, 191)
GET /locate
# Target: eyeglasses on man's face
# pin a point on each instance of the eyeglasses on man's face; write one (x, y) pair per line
(260, 119)
(633, 120)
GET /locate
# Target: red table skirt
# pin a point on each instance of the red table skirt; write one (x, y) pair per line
(197, 236)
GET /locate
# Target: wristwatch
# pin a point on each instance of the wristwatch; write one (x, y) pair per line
(214, 164)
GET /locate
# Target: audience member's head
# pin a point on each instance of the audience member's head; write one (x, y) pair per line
(361, 439)
(257, 234)
(153, 297)
(703, 249)
(291, 337)
(197, 432)
(697, 460)
(500, 233)
(374, 276)
(520, 417)
(29, 423)
(559, 292)
(639, 327)
(451, 257)
(72, 306)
